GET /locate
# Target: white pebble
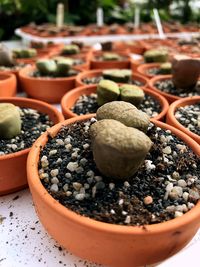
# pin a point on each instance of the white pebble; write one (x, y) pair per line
(167, 150)
(54, 188)
(52, 152)
(128, 219)
(72, 166)
(90, 174)
(178, 214)
(77, 186)
(54, 180)
(185, 196)
(60, 142)
(54, 172)
(182, 183)
(111, 186)
(86, 146)
(65, 187)
(80, 196)
(68, 175)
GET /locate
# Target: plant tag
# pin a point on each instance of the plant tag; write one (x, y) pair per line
(60, 15)
(99, 17)
(158, 24)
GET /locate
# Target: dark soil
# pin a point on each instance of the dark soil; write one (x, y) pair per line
(169, 177)
(34, 124)
(71, 73)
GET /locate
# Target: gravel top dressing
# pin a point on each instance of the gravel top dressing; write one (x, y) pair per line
(168, 87)
(16, 67)
(153, 71)
(121, 58)
(97, 79)
(36, 74)
(189, 116)
(34, 124)
(88, 104)
(166, 185)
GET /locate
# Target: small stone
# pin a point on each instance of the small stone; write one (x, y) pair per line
(54, 172)
(182, 183)
(90, 174)
(68, 193)
(126, 184)
(176, 192)
(86, 186)
(67, 140)
(121, 201)
(65, 187)
(171, 208)
(190, 205)
(60, 142)
(54, 180)
(52, 152)
(98, 178)
(128, 219)
(79, 170)
(54, 188)
(175, 175)
(194, 195)
(178, 214)
(77, 186)
(100, 185)
(111, 186)
(112, 211)
(68, 147)
(72, 166)
(83, 161)
(68, 175)
(185, 196)
(86, 146)
(167, 150)
(80, 196)
(148, 200)
(124, 212)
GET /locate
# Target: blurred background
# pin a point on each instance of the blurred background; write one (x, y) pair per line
(17, 13)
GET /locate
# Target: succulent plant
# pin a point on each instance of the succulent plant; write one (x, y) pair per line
(46, 66)
(107, 91)
(24, 53)
(166, 68)
(132, 94)
(118, 150)
(117, 75)
(6, 57)
(154, 55)
(10, 121)
(185, 71)
(63, 66)
(125, 113)
(70, 49)
(110, 56)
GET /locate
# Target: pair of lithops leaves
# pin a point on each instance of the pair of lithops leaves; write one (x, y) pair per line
(58, 66)
(10, 121)
(108, 91)
(119, 140)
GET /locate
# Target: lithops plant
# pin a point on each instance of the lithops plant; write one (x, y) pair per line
(117, 75)
(118, 150)
(154, 55)
(10, 121)
(132, 94)
(6, 57)
(46, 66)
(107, 91)
(24, 53)
(185, 71)
(125, 113)
(166, 68)
(110, 56)
(70, 49)
(63, 66)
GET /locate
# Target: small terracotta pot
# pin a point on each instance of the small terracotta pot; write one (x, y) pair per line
(70, 98)
(112, 64)
(109, 244)
(170, 98)
(8, 84)
(50, 90)
(174, 122)
(13, 166)
(143, 69)
(95, 73)
(135, 63)
(134, 46)
(16, 73)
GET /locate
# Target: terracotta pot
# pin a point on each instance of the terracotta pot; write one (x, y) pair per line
(8, 84)
(16, 73)
(135, 63)
(174, 122)
(112, 64)
(95, 73)
(70, 98)
(143, 69)
(133, 46)
(50, 90)
(13, 166)
(112, 245)
(154, 80)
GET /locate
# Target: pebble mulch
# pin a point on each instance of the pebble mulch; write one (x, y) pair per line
(167, 86)
(153, 71)
(34, 124)
(88, 104)
(189, 116)
(97, 79)
(121, 58)
(166, 186)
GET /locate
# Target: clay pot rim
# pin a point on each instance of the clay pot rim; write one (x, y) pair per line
(162, 101)
(96, 72)
(156, 78)
(16, 100)
(155, 229)
(23, 73)
(8, 76)
(181, 103)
